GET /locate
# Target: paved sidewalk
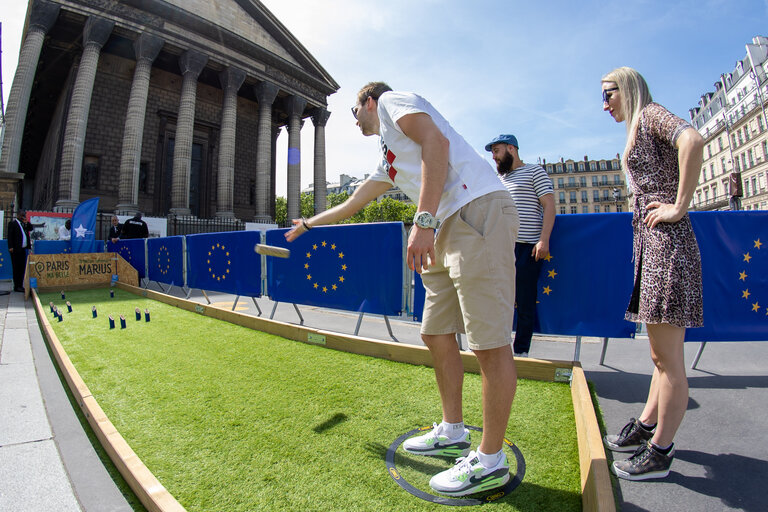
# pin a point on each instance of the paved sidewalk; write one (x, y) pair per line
(47, 463)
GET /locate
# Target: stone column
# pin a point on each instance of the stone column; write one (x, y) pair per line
(319, 119)
(42, 16)
(294, 106)
(276, 131)
(231, 80)
(95, 34)
(191, 64)
(266, 93)
(146, 49)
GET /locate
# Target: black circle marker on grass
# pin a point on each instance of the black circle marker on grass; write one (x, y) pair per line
(490, 496)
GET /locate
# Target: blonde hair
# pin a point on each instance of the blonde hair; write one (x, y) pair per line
(635, 95)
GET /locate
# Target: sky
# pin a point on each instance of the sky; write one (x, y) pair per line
(532, 69)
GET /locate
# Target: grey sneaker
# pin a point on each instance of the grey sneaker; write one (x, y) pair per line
(631, 437)
(646, 463)
(521, 354)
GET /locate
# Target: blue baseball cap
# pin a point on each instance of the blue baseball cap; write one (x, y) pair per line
(502, 139)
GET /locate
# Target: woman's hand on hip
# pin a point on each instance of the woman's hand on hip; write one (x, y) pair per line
(662, 212)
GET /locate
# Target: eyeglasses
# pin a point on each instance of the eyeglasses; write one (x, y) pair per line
(357, 108)
(606, 96)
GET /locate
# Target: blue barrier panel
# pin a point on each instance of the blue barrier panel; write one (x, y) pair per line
(225, 262)
(132, 251)
(418, 297)
(166, 260)
(585, 284)
(734, 265)
(6, 268)
(51, 247)
(354, 267)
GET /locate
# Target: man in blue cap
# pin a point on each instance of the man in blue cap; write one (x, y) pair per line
(534, 196)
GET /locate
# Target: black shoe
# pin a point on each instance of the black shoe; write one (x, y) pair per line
(631, 437)
(19, 289)
(646, 463)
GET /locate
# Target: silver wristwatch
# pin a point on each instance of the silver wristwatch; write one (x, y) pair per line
(425, 220)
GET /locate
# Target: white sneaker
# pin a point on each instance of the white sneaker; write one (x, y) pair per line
(522, 354)
(435, 442)
(469, 476)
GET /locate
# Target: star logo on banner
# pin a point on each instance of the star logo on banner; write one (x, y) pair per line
(80, 230)
(327, 274)
(754, 253)
(163, 260)
(218, 262)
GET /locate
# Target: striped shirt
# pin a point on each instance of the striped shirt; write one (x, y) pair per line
(527, 184)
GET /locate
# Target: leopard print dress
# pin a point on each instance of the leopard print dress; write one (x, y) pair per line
(668, 285)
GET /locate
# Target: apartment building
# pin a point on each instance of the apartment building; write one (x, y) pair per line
(588, 186)
(732, 119)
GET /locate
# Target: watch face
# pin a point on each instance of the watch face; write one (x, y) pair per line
(424, 220)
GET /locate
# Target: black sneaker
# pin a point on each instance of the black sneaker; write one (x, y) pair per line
(631, 437)
(646, 463)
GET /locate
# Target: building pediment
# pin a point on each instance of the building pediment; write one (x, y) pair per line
(243, 33)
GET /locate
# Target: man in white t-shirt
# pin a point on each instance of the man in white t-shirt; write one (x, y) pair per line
(467, 266)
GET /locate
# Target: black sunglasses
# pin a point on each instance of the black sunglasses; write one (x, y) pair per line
(356, 108)
(606, 96)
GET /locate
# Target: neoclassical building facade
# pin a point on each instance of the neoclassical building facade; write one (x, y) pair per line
(166, 107)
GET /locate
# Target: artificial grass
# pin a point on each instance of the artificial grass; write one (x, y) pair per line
(232, 419)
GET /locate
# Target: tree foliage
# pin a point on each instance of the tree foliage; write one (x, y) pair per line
(385, 210)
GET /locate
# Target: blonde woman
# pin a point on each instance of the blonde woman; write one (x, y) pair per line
(662, 160)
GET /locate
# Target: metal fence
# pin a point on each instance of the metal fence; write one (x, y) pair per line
(186, 225)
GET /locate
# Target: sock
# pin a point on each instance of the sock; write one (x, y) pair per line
(452, 430)
(647, 427)
(666, 450)
(489, 460)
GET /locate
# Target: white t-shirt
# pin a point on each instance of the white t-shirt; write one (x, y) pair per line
(469, 175)
(63, 233)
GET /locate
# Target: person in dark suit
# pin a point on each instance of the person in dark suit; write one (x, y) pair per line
(115, 230)
(18, 244)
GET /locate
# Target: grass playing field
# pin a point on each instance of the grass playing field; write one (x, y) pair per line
(232, 419)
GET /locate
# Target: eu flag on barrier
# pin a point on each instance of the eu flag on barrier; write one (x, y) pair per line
(6, 270)
(132, 251)
(166, 260)
(354, 267)
(734, 267)
(225, 262)
(84, 226)
(586, 282)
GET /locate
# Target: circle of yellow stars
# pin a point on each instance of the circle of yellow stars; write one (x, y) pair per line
(744, 275)
(166, 257)
(125, 252)
(214, 248)
(321, 286)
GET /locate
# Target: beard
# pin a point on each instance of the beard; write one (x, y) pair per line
(505, 164)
